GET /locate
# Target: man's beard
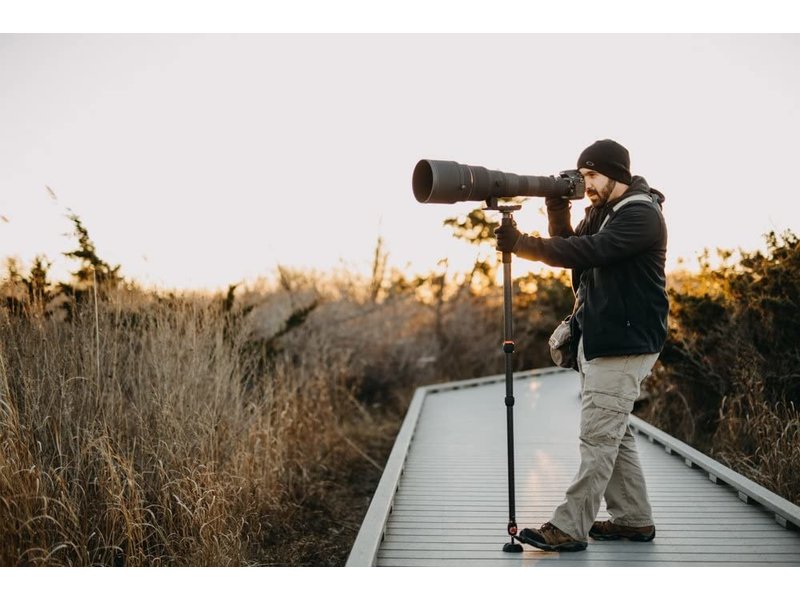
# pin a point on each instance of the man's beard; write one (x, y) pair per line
(602, 195)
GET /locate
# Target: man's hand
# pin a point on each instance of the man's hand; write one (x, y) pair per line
(507, 236)
(556, 203)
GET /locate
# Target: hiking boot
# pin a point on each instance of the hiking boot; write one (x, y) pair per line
(550, 537)
(606, 530)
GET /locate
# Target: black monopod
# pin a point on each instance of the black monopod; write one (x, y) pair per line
(508, 350)
(447, 182)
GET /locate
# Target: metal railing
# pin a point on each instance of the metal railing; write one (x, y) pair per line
(786, 513)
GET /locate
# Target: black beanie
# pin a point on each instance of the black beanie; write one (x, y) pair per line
(608, 158)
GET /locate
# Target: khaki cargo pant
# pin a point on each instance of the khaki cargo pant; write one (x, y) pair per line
(609, 461)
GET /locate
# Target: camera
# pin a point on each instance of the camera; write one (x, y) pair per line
(448, 182)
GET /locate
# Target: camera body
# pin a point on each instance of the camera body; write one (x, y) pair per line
(575, 184)
(448, 182)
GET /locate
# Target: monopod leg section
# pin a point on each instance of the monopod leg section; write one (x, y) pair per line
(511, 546)
(508, 350)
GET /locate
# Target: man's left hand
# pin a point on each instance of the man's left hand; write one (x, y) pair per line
(507, 237)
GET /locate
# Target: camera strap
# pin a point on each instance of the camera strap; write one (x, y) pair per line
(628, 200)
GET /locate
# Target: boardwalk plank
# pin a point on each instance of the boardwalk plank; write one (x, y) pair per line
(509, 562)
(756, 539)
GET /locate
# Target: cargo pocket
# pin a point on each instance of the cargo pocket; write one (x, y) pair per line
(614, 382)
(610, 402)
(604, 419)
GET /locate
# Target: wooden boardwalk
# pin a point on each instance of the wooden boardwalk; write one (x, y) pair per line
(443, 499)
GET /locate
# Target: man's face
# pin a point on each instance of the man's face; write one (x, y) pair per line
(598, 187)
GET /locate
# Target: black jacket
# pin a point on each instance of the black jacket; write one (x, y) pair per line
(621, 267)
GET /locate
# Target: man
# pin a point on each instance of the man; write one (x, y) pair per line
(619, 325)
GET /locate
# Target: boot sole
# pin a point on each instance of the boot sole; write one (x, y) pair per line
(566, 547)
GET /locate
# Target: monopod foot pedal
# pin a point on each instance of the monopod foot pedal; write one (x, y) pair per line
(512, 548)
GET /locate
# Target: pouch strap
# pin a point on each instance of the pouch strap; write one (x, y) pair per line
(618, 205)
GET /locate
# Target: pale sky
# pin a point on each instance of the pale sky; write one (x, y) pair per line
(199, 161)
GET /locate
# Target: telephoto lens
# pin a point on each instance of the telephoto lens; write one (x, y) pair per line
(448, 182)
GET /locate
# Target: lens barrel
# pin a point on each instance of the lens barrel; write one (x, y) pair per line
(448, 182)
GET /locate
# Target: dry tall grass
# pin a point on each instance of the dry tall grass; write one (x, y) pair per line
(158, 431)
(153, 429)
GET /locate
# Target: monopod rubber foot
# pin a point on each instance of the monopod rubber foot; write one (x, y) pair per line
(512, 547)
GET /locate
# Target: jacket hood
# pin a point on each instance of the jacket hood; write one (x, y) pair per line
(639, 186)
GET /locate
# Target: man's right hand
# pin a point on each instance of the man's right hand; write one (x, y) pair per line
(507, 236)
